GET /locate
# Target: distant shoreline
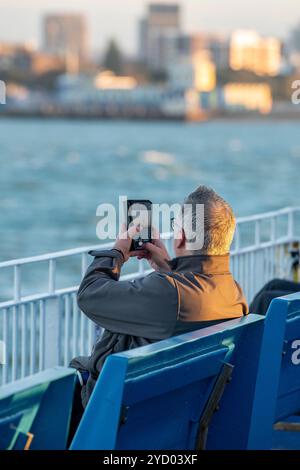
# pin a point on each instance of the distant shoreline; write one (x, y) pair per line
(205, 117)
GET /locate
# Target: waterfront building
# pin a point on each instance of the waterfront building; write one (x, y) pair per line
(248, 97)
(66, 36)
(197, 72)
(217, 45)
(159, 32)
(26, 58)
(107, 80)
(15, 56)
(249, 51)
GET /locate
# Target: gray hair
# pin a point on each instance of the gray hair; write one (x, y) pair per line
(217, 224)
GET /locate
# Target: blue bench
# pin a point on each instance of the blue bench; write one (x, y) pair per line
(152, 398)
(163, 396)
(287, 413)
(277, 388)
(35, 412)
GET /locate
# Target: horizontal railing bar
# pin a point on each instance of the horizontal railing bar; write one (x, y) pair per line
(263, 245)
(54, 255)
(34, 298)
(65, 291)
(86, 249)
(135, 275)
(267, 215)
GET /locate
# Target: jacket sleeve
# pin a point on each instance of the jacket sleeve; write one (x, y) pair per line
(146, 307)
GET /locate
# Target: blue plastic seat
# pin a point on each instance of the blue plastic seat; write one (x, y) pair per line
(153, 397)
(163, 396)
(35, 412)
(287, 411)
(277, 387)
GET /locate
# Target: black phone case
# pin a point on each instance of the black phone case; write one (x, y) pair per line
(137, 244)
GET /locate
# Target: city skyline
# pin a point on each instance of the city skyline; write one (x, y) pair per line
(207, 16)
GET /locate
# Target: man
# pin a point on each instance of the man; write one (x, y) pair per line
(194, 290)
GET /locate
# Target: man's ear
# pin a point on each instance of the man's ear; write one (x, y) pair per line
(180, 240)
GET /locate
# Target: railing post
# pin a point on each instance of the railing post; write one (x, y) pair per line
(291, 224)
(52, 272)
(4, 338)
(273, 229)
(141, 267)
(84, 263)
(237, 238)
(17, 283)
(52, 333)
(257, 233)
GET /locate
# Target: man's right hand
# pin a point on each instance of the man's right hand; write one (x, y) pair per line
(157, 255)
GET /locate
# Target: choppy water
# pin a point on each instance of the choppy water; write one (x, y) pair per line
(54, 173)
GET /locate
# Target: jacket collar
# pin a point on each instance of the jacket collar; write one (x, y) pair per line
(204, 264)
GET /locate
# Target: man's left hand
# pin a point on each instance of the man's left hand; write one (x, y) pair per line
(124, 241)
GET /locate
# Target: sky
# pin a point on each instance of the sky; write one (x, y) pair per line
(20, 20)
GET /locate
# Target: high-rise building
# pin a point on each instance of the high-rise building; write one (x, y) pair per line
(197, 73)
(66, 36)
(293, 48)
(249, 51)
(159, 32)
(216, 45)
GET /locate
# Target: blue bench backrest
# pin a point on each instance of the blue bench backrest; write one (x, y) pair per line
(153, 397)
(288, 401)
(277, 385)
(39, 405)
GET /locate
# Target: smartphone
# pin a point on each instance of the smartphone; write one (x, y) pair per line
(139, 211)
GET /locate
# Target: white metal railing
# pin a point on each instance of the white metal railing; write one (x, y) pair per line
(44, 329)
